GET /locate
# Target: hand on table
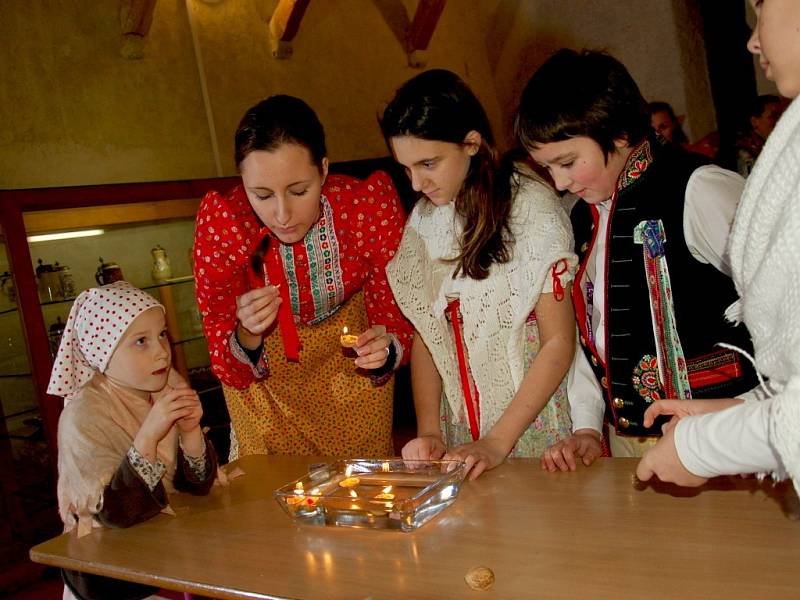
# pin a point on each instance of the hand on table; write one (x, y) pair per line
(583, 444)
(662, 461)
(424, 447)
(373, 348)
(479, 456)
(258, 309)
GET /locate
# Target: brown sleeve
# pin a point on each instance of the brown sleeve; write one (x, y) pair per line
(185, 479)
(127, 500)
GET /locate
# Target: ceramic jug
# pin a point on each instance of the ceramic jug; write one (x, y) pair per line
(161, 268)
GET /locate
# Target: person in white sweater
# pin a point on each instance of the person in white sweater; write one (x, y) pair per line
(759, 433)
(483, 273)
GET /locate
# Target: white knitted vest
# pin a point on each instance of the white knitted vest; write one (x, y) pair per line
(495, 309)
(765, 261)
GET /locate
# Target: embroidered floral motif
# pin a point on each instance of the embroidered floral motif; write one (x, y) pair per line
(669, 350)
(645, 379)
(325, 270)
(197, 464)
(150, 473)
(637, 163)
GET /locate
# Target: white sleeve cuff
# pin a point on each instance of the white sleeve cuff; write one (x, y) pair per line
(729, 442)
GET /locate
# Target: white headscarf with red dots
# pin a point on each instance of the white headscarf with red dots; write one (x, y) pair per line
(97, 321)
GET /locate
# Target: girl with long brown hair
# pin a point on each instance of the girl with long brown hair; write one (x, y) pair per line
(482, 273)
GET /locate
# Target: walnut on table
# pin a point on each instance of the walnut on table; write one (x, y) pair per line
(479, 578)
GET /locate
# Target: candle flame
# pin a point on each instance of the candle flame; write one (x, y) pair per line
(353, 494)
(385, 467)
(387, 489)
(344, 330)
(298, 485)
(349, 470)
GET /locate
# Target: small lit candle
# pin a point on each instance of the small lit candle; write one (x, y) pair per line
(299, 495)
(348, 340)
(349, 481)
(385, 467)
(385, 494)
(313, 498)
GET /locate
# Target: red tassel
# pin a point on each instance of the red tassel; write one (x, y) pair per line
(273, 271)
(558, 269)
(473, 406)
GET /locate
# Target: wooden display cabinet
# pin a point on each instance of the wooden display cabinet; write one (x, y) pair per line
(134, 217)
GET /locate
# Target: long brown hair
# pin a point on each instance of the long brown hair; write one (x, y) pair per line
(437, 105)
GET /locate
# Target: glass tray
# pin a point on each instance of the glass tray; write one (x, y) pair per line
(395, 494)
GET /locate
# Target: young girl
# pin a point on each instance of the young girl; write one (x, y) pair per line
(755, 436)
(284, 263)
(126, 437)
(483, 273)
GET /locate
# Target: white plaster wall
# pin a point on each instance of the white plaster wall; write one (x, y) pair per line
(75, 112)
(657, 41)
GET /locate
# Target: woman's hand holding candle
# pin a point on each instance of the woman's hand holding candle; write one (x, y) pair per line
(372, 348)
(347, 339)
(256, 311)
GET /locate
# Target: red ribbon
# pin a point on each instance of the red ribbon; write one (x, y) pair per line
(473, 407)
(558, 289)
(273, 271)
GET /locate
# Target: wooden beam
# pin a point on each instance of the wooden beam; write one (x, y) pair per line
(284, 25)
(135, 19)
(113, 214)
(422, 28)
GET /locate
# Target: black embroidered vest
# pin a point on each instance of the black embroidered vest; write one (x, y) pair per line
(652, 187)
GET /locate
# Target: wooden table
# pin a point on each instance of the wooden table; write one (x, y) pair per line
(589, 534)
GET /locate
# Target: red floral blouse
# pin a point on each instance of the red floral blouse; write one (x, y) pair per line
(357, 234)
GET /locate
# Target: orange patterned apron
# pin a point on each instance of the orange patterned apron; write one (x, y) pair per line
(322, 405)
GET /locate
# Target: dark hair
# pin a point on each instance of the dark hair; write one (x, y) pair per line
(275, 121)
(678, 136)
(280, 120)
(437, 105)
(586, 93)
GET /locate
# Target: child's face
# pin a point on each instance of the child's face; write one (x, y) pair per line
(577, 165)
(437, 169)
(141, 360)
(776, 41)
(284, 187)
